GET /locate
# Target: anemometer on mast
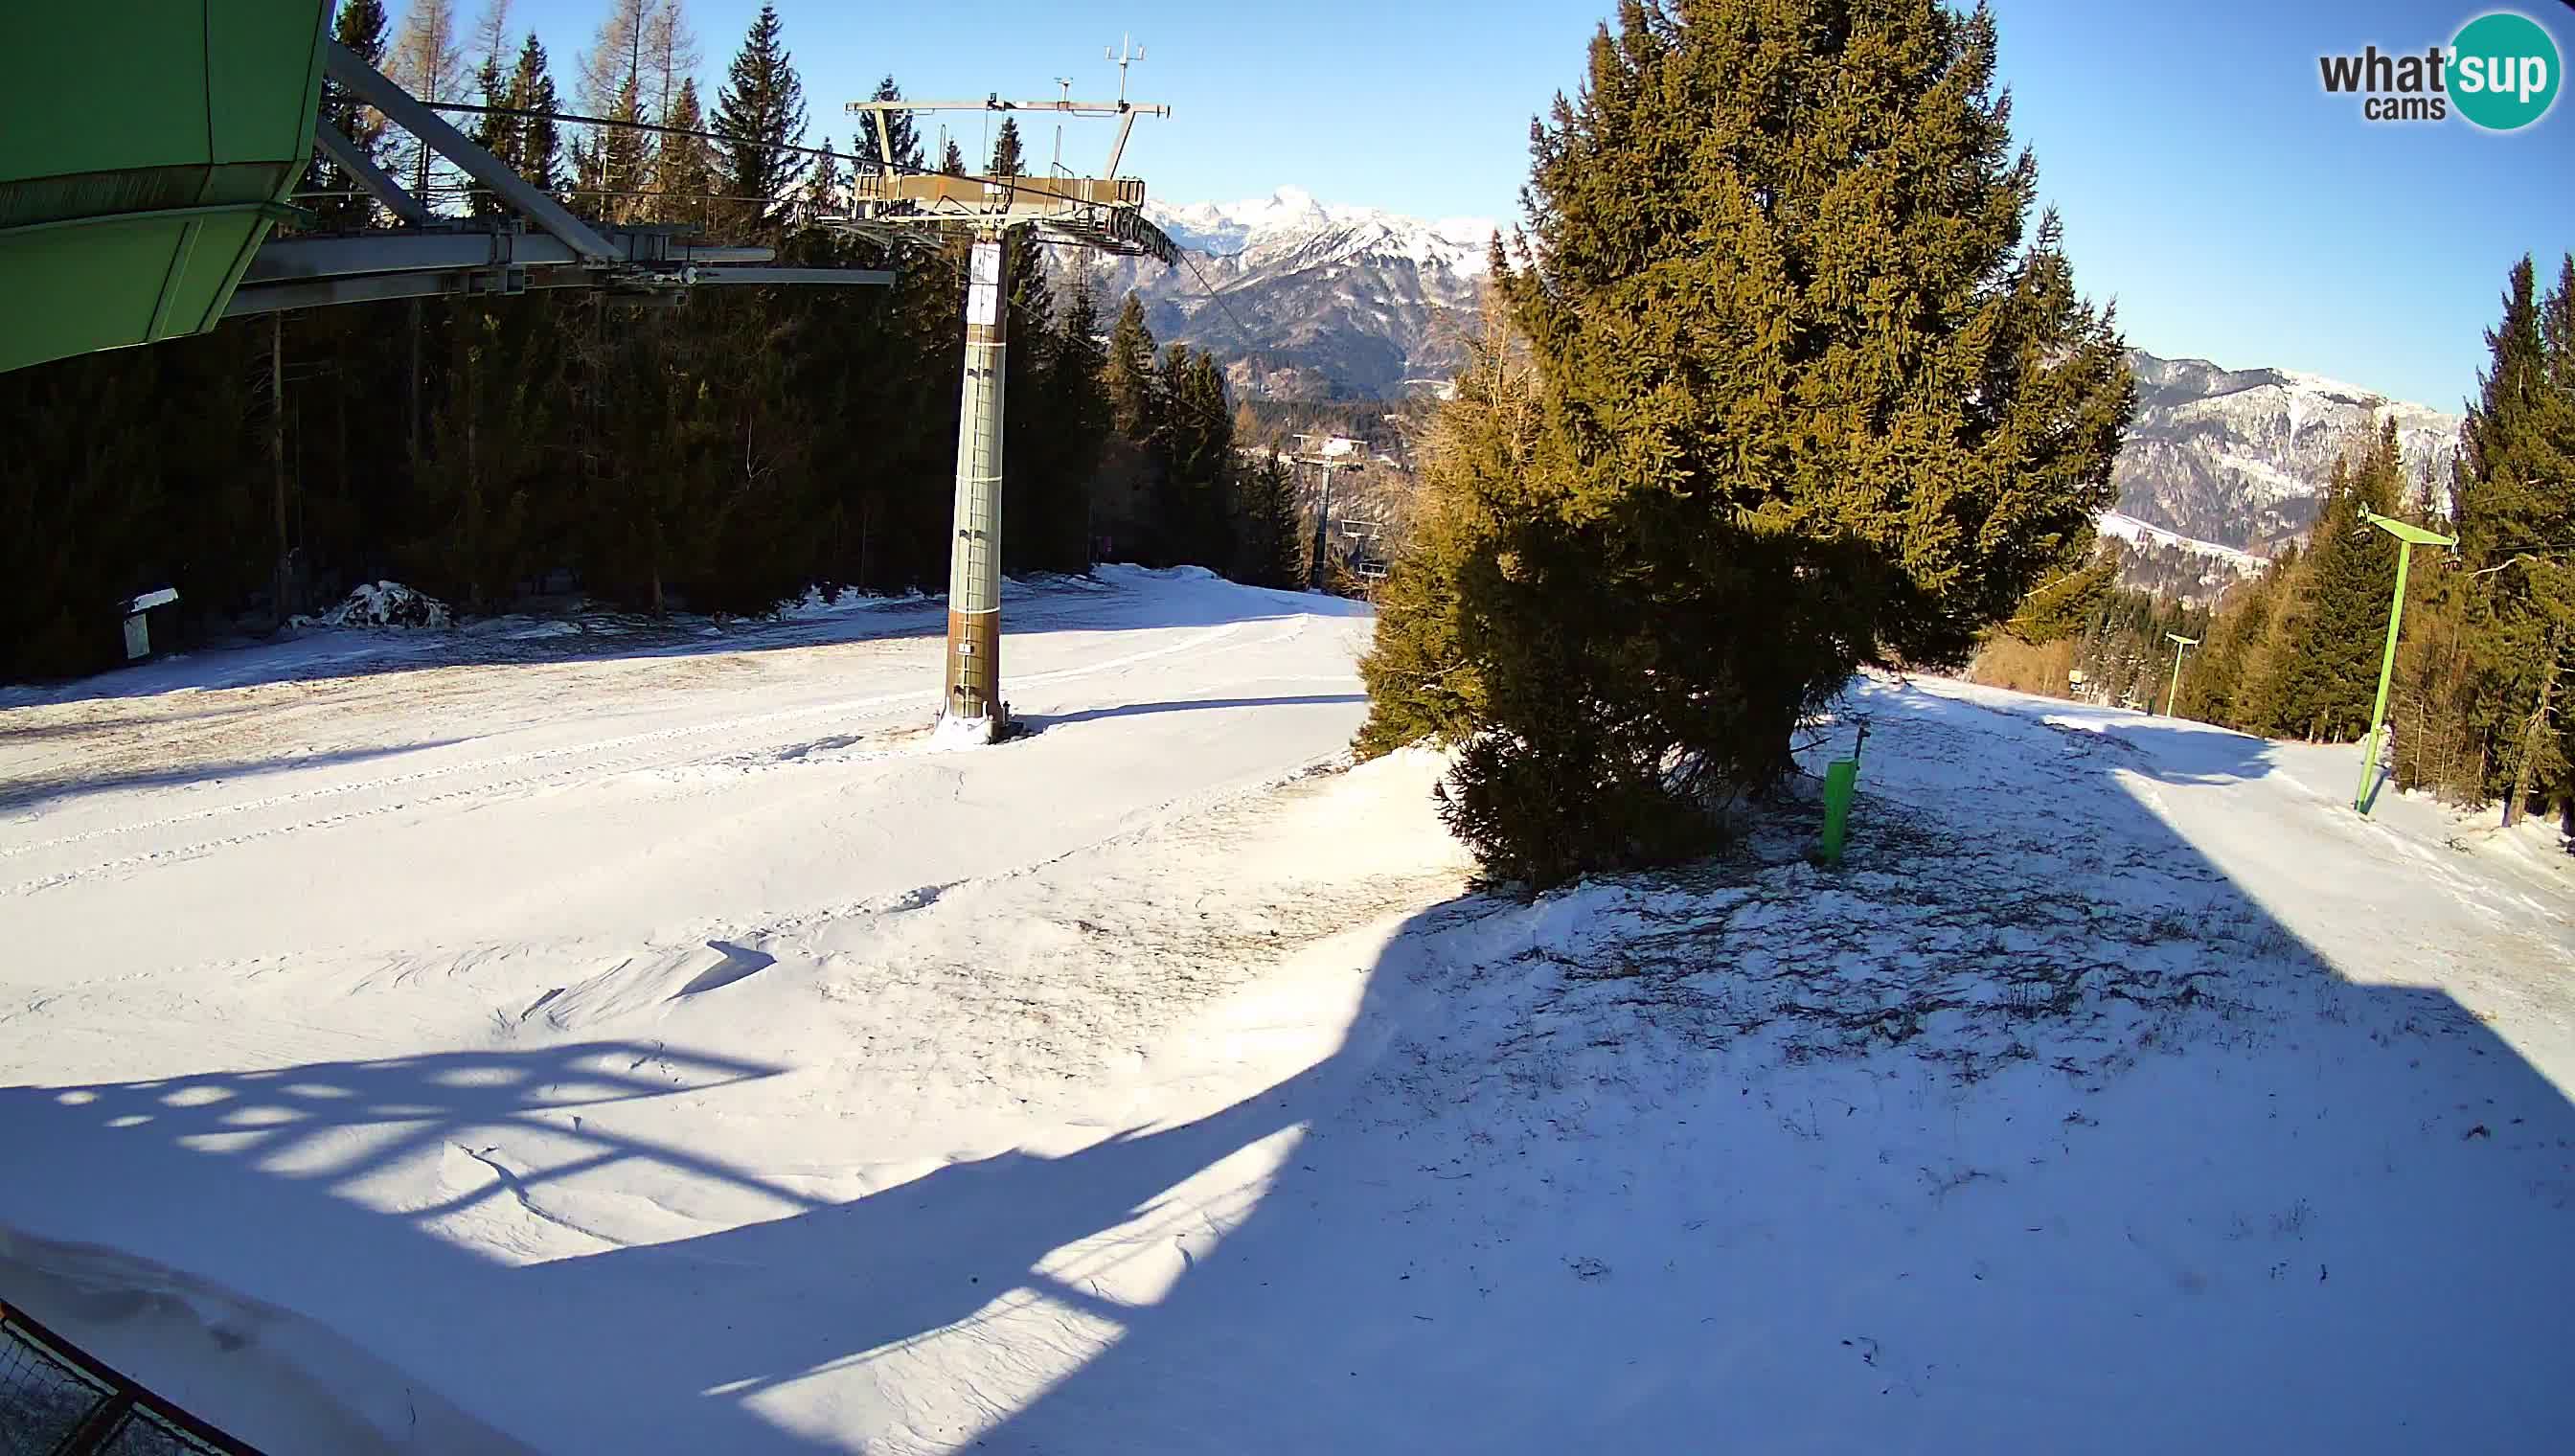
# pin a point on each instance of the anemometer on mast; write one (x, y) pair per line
(898, 207)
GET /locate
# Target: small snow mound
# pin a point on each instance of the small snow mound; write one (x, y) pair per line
(956, 733)
(815, 604)
(388, 603)
(1128, 571)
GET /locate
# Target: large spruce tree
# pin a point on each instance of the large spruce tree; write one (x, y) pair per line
(1811, 394)
(762, 109)
(532, 89)
(2517, 510)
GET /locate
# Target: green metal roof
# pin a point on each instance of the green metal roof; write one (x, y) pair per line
(146, 151)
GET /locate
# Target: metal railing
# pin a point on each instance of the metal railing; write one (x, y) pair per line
(55, 1400)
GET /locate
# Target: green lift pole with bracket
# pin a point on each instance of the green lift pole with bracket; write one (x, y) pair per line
(2408, 538)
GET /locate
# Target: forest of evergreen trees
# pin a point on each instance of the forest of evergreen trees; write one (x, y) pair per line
(719, 457)
(2478, 702)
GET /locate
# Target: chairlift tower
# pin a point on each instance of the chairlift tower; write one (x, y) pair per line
(1104, 214)
(1318, 571)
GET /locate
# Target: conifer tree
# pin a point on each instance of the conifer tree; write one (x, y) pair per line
(952, 161)
(1129, 373)
(762, 107)
(2219, 689)
(2516, 505)
(360, 27)
(1077, 408)
(1006, 161)
(1269, 550)
(825, 185)
(899, 127)
(686, 164)
(1814, 395)
(626, 157)
(539, 155)
(1422, 681)
(2322, 679)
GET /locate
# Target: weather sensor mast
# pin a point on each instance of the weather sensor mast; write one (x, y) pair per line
(893, 205)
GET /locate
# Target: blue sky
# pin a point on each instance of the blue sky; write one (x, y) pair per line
(2233, 210)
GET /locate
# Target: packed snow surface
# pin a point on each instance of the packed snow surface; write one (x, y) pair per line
(632, 1038)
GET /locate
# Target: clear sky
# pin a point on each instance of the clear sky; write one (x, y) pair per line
(2233, 210)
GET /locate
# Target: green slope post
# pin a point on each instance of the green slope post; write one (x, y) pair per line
(2179, 642)
(1841, 781)
(2408, 538)
(1842, 778)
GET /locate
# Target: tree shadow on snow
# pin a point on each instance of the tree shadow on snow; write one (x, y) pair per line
(1765, 1174)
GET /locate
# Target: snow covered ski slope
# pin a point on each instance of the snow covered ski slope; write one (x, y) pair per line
(561, 1040)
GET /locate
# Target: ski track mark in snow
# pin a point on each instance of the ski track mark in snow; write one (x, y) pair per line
(591, 767)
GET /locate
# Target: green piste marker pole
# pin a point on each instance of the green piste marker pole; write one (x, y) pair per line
(2174, 691)
(2408, 538)
(1842, 779)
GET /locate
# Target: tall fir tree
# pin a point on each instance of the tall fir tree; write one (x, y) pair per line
(532, 89)
(761, 109)
(1814, 394)
(1128, 373)
(1007, 158)
(685, 166)
(2516, 508)
(1269, 550)
(953, 160)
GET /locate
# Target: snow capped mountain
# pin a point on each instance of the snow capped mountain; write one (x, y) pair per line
(1291, 226)
(2239, 457)
(1306, 299)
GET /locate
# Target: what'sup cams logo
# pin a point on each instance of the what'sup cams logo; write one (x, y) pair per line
(2501, 72)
